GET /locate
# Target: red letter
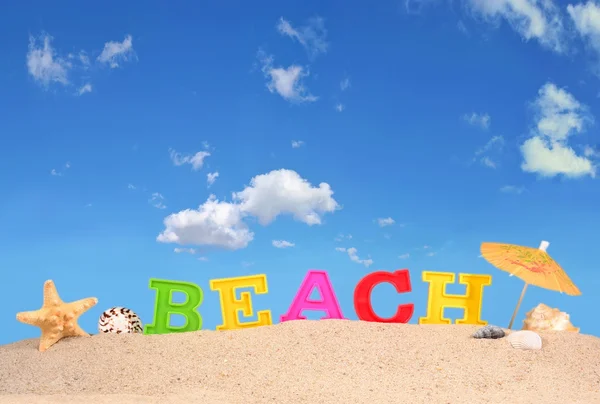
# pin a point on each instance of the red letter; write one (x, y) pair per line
(302, 301)
(362, 296)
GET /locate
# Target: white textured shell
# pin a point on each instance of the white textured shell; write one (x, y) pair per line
(525, 339)
(120, 320)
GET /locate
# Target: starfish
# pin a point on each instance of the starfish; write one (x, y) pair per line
(56, 318)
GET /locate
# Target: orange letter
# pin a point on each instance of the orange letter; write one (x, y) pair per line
(438, 299)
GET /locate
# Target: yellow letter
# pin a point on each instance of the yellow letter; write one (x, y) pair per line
(438, 299)
(231, 305)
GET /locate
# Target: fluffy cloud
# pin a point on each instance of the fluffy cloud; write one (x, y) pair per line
(43, 63)
(404, 256)
(493, 146)
(117, 52)
(86, 88)
(475, 119)
(339, 107)
(586, 19)
(312, 36)
(285, 192)
(297, 143)
(214, 223)
(385, 221)
(46, 66)
(353, 254)
(211, 178)
(287, 82)
(532, 19)
(559, 116)
(221, 224)
(282, 244)
(345, 84)
(195, 160)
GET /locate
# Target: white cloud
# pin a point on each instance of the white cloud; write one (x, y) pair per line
(59, 173)
(559, 116)
(462, 27)
(586, 19)
(341, 237)
(282, 244)
(86, 88)
(352, 253)
(157, 200)
(488, 162)
(43, 63)
(589, 151)
(195, 160)
(185, 250)
(387, 221)
(532, 19)
(117, 52)
(211, 178)
(511, 189)
(339, 107)
(475, 119)
(496, 142)
(47, 66)
(345, 84)
(404, 256)
(287, 82)
(219, 223)
(297, 143)
(494, 145)
(284, 191)
(131, 186)
(214, 223)
(312, 36)
(550, 159)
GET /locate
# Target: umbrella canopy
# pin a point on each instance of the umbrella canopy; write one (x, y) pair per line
(534, 266)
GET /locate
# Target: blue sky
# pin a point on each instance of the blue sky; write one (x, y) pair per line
(404, 133)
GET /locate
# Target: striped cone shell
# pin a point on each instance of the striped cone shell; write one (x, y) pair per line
(120, 320)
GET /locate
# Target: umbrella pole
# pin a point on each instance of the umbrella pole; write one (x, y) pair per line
(512, 320)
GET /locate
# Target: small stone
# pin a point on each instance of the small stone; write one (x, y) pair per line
(489, 332)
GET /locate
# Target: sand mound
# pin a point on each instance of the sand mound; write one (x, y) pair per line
(328, 361)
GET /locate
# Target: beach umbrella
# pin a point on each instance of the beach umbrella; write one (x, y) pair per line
(533, 265)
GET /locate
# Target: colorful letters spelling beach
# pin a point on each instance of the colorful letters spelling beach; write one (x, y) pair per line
(232, 306)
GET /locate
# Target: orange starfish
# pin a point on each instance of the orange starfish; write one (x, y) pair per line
(56, 318)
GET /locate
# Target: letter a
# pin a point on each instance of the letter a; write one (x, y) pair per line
(328, 302)
(164, 307)
(438, 299)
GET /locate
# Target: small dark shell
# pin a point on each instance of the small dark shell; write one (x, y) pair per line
(489, 331)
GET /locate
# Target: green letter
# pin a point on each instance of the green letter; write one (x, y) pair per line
(164, 306)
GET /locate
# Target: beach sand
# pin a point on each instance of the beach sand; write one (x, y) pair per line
(327, 361)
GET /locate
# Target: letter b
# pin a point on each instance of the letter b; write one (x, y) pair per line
(164, 307)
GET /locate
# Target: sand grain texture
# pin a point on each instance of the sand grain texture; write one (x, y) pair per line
(328, 361)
